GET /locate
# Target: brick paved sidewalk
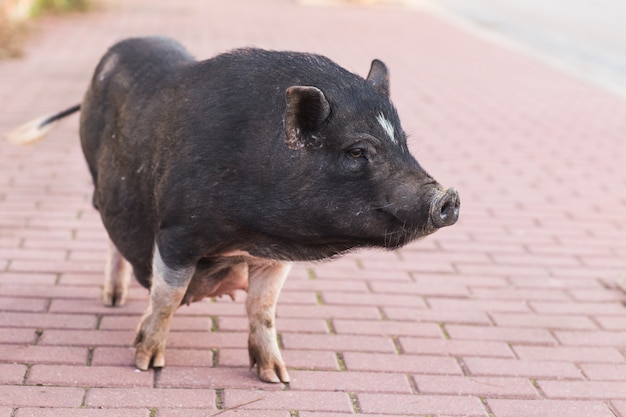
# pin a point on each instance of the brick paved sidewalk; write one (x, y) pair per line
(513, 312)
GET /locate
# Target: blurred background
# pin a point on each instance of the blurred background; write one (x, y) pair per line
(586, 37)
(15, 16)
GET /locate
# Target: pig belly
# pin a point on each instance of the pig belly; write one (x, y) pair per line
(216, 277)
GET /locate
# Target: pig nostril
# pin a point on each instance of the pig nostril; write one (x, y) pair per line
(446, 209)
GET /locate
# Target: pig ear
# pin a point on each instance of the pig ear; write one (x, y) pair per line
(378, 77)
(307, 109)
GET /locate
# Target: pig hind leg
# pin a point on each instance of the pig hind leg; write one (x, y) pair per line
(117, 277)
(264, 287)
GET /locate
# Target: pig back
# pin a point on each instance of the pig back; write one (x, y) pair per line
(118, 139)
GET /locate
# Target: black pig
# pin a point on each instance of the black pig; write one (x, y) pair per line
(214, 176)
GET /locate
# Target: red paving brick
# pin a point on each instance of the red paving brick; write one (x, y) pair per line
(339, 342)
(570, 322)
(26, 395)
(507, 334)
(289, 400)
(29, 354)
(450, 347)
(513, 312)
(444, 405)
(387, 328)
(150, 398)
(525, 368)
(188, 412)
(606, 390)
(437, 316)
(83, 412)
(350, 381)
(570, 354)
(22, 336)
(10, 319)
(12, 374)
(477, 386)
(357, 361)
(542, 408)
(89, 376)
(604, 372)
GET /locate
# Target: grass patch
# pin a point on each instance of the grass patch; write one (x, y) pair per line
(341, 361)
(41, 7)
(14, 29)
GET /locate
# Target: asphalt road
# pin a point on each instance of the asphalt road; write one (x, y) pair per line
(587, 37)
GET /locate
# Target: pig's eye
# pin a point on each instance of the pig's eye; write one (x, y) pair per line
(356, 158)
(356, 153)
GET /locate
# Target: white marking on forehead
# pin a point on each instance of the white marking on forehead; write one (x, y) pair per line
(387, 127)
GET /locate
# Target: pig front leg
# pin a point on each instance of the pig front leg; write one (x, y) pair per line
(117, 277)
(167, 290)
(264, 286)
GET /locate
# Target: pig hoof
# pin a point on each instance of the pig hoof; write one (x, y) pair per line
(272, 371)
(274, 375)
(113, 299)
(144, 357)
(150, 350)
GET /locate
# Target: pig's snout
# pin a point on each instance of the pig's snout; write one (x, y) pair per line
(445, 208)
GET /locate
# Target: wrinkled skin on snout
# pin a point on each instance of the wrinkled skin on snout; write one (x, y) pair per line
(214, 176)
